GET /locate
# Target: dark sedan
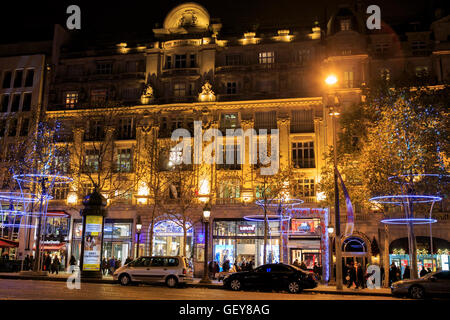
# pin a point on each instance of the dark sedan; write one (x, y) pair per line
(272, 276)
(436, 283)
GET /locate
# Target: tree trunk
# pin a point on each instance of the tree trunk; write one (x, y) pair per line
(184, 239)
(265, 235)
(386, 256)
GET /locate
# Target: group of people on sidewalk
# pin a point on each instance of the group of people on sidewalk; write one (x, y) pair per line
(395, 273)
(317, 269)
(110, 265)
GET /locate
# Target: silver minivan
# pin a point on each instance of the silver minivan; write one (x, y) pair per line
(173, 270)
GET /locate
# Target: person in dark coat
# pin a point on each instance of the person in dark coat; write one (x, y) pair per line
(317, 270)
(351, 273)
(26, 263)
(48, 262)
(407, 273)
(211, 269)
(393, 274)
(55, 264)
(226, 266)
(303, 266)
(423, 272)
(128, 260)
(359, 274)
(112, 265)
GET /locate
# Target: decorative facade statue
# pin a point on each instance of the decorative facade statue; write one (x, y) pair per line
(207, 94)
(147, 94)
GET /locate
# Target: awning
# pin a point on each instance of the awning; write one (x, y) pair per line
(52, 247)
(5, 243)
(57, 213)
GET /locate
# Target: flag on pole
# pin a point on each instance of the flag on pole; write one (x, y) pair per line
(348, 203)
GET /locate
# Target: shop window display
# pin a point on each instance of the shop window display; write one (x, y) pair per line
(168, 239)
(242, 241)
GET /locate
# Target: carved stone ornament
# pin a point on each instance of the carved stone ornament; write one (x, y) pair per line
(147, 94)
(207, 94)
(188, 19)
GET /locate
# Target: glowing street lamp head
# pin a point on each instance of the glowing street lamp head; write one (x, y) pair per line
(331, 80)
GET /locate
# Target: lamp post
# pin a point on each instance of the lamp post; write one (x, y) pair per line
(330, 253)
(206, 215)
(138, 232)
(330, 81)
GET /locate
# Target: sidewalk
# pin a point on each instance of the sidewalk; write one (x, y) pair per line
(323, 289)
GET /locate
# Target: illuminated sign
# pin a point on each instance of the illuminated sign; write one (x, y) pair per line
(92, 243)
(247, 228)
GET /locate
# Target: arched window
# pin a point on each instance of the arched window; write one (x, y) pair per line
(354, 244)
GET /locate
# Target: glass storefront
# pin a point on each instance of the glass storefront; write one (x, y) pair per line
(56, 236)
(242, 241)
(117, 239)
(433, 262)
(168, 239)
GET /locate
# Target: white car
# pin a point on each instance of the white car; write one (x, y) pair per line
(173, 270)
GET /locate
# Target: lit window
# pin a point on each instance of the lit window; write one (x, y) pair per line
(421, 71)
(303, 154)
(266, 57)
(348, 79)
(92, 160)
(304, 188)
(345, 24)
(124, 163)
(229, 121)
(71, 99)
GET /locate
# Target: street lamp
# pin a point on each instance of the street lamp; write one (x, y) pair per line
(330, 81)
(138, 232)
(206, 215)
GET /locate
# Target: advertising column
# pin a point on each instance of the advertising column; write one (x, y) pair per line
(94, 213)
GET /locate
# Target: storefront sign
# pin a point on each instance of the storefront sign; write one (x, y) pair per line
(305, 227)
(250, 228)
(92, 243)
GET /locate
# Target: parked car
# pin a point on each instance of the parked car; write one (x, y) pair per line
(272, 276)
(435, 283)
(173, 270)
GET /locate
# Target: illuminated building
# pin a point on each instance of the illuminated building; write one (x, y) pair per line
(270, 80)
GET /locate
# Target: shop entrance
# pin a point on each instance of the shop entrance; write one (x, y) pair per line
(308, 256)
(354, 249)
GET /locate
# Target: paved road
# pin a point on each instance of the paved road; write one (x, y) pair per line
(49, 290)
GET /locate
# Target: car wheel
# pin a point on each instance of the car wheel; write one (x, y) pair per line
(235, 285)
(294, 287)
(417, 292)
(171, 282)
(125, 280)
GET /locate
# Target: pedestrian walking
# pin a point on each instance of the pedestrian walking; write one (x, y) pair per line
(104, 266)
(393, 274)
(112, 265)
(407, 273)
(128, 260)
(55, 265)
(303, 266)
(48, 263)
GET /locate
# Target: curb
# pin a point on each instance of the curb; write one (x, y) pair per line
(191, 285)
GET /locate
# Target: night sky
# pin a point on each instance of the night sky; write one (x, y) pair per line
(105, 19)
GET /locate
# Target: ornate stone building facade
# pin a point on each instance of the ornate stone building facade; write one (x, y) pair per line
(275, 80)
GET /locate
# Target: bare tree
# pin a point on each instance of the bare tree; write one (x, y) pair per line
(97, 158)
